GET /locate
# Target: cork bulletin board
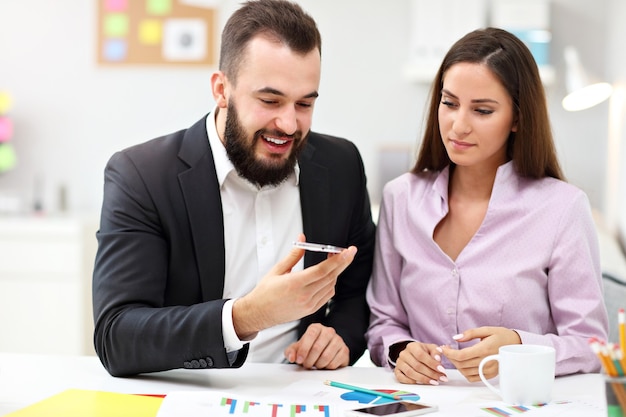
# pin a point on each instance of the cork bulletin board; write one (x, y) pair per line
(155, 32)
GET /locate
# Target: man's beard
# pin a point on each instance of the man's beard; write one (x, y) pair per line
(242, 154)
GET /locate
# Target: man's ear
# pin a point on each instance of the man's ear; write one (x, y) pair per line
(218, 88)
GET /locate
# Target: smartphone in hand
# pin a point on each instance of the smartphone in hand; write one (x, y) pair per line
(317, 247)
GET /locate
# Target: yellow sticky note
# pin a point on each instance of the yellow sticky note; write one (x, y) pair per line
(86, 403)
(159, 7)
(5, 102)
(116, 25)
(150, 31)
(8, 159)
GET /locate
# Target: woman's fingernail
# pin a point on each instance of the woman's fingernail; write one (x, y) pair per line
(457, 336)
(439, 349)
(441, 369)
(433, 382)
(438, 358)
(443, 378)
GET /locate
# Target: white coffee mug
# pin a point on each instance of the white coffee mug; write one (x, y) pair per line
(526, 373)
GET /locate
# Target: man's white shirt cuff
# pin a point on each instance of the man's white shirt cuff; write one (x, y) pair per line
(232, 342)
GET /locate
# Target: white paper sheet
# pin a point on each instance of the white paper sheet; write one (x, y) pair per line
(311, 398)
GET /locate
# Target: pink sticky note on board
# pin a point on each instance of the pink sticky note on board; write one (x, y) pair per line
(6, 129)
(115, 5)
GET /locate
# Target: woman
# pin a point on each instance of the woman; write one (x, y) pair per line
(483, 243)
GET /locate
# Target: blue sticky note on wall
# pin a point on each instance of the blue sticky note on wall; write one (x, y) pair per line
(115, 50)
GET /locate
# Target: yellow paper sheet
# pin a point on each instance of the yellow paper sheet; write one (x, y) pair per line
(87, 403)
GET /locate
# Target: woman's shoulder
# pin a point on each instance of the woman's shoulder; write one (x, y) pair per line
(556, 188)
(410, 189)
(552, 192)
(410, 182)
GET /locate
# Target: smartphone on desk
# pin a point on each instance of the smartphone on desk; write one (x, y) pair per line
(396, 409)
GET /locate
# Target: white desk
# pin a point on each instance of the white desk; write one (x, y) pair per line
(26, 379)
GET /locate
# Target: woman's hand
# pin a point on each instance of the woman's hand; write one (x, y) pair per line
(467, 360)
(420, 363)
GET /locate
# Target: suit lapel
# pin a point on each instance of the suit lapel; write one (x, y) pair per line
(204, 207)
(314, 199)
(200, 189)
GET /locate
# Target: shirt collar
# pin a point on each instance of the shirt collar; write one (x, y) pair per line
(503, 175)
(223, 165)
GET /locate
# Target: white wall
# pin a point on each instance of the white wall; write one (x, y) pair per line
(70, 115)
(616, 63)
(581, 137)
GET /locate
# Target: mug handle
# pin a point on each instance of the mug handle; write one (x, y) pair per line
(482, 376)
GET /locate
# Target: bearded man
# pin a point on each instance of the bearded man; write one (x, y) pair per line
(196, 266)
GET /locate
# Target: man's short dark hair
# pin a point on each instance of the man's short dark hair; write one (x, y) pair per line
(281, 20)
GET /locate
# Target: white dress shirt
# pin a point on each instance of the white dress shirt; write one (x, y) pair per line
(260, 226)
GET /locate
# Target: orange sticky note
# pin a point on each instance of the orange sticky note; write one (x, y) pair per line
(87, 403)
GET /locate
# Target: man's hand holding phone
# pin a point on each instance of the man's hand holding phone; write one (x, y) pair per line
(283, 296)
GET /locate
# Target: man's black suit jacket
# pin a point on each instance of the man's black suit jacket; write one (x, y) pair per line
(159, 270)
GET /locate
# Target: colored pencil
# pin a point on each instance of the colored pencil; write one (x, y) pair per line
(606, 353)
(621, 316)
(607, 365)
(363, 390)
(615, 354)
(613, 359)
(620, 394)
(619, 355)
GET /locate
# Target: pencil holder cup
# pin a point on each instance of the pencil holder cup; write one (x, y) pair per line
(615, 389)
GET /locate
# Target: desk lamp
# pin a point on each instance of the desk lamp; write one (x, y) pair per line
(582, 94)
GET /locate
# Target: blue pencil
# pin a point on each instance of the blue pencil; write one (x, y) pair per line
(363, 390)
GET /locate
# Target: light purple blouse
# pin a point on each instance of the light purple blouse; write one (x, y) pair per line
(532, 266)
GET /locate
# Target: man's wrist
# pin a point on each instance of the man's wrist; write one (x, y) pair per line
(246, 321)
